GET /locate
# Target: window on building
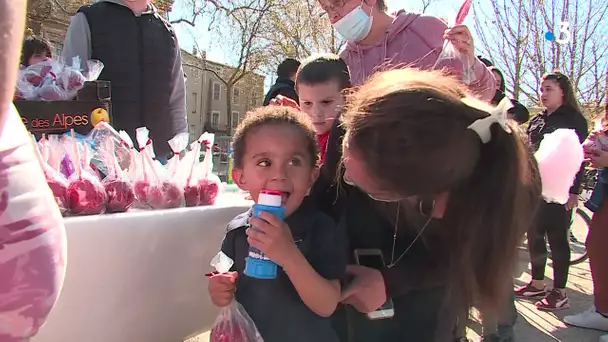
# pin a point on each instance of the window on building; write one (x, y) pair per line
(236, 95)
(216, 91)
(215, 119)
(208, 118)
(194, 102)
(235, 119)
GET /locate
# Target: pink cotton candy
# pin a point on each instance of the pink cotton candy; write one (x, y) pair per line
(559, 158)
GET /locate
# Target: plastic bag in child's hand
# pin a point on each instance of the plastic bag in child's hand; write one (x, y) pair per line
(234, 325)
(458, 65)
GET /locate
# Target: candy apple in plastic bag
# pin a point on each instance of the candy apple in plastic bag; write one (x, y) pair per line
(118, 188)
(233, 324)
(55, 180)
(209, 184)
(86, 194)
(152, 189)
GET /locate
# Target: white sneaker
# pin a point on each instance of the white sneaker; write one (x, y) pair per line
(589, 319)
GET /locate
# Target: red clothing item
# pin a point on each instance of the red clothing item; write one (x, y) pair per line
(322, 142)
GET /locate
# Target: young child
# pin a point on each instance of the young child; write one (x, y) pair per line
(274, 148)
(35, 50)
(320, 84)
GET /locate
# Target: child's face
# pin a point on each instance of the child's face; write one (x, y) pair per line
(322, 102)
(39, 57)
(277, 158)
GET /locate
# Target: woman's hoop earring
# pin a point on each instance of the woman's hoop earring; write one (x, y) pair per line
(420, 204)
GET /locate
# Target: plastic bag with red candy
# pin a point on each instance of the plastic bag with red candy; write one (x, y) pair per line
(24, 90)
(36, 73)
(152, 189)
(233, 323)
(118, 188)
(86, 194)
(56, 181)
(51, 89)
(451, 59)
(187, 175)
(71, 79)
(178, 144)
(209, 183)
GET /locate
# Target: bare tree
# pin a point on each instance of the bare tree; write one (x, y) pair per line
(512, 33)
(239, 24)
(297, 29)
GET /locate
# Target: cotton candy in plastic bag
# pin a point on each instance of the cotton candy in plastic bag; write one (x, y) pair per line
(452, 59)
(559, 157)
(86, 194)
(209, 183)
(233, 324)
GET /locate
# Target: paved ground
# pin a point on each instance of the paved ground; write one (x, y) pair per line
(537, 326)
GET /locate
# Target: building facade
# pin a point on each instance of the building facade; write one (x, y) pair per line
(208, 106)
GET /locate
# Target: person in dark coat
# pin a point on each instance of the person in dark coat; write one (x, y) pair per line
(142, 60)
(285, 84)
(519, 112)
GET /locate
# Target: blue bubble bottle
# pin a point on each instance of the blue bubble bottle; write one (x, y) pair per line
(258, 265)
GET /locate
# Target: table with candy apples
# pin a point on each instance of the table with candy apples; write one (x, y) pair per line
(106, 172)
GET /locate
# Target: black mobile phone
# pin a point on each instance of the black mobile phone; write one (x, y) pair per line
(373, 258)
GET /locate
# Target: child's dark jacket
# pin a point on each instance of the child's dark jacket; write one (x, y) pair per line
(274, 305)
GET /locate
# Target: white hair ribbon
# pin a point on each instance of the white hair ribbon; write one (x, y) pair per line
(497, 115)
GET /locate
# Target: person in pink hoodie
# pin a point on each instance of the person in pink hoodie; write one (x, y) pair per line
(377, 41)
(32, 234)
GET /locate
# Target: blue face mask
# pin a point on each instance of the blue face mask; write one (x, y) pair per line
(354, 26)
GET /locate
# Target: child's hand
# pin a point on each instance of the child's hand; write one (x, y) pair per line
(221, 288)
(273, 238)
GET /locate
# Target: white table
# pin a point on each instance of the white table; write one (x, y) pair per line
(139, 277)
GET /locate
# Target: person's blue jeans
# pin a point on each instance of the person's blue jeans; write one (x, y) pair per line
(162, 159)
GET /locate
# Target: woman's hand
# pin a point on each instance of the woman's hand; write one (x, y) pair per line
(281, 100)
(572, 202)
(598, 158)
(461, 38)
(367, 291)
(273, 237)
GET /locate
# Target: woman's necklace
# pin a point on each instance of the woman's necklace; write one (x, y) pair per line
(393, 261)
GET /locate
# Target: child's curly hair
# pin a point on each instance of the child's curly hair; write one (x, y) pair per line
(273, 115)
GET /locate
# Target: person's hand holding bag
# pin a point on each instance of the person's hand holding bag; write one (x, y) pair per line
(222, 287)
(367, 291)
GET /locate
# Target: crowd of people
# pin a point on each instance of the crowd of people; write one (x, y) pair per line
(373, 151)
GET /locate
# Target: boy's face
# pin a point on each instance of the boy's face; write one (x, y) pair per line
(276, 158)
(322, 102)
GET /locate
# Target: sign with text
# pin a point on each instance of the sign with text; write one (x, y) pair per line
(58, 117)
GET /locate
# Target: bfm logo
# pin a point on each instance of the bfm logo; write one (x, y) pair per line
(564, 34)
